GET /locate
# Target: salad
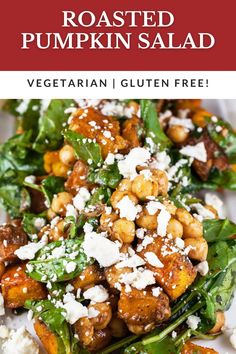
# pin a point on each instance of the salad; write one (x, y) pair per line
(110, 244)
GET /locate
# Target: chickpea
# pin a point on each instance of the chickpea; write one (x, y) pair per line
(183, 216)
(200, 248)
(103, 318)
(59, 169)
(140, 329)
(2, 269)
(144, 188)
(49, 159)
(101, 339)
(58, 231)
(194, 229)
(118, 195)
(118, 327)
(85, 330)
(114, 274)
(125, 185)
(177, 133)
(170, 207)
(60, 202)
(162, 181)
(67, 155)
(220, 321)
(124, 230)
(175, 228)
(107, 221)
(51, 214)
(147, 221)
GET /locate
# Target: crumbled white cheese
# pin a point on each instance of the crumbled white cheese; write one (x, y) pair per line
(39, 223)
(81, 198)
(110, 159)
(136, 156)
(197, 151)
(202, 268)
(74, 311)
(216, 202)
(70, 267)
(163, 219)
(20, 342)
(132, 262)
(202, 211)
(2, 309)
(153, 260)
(193, 322)
(23, 106)
(147, 174)
(85, 103)
(183, 122)
(92, 312)
(156, 291)
(96, 294)
(179, 243)
(30, 179)
(29, 251)
(152, 207)
(71, 211)
(105, 251)
(140, 233)
(128, 209)
(139, 278)
(161, 161)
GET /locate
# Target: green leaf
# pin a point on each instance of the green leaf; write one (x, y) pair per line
(52, 185)
(55, 320)
(221, 255)
(227, 141)
(100, 195)
(152, 124)
(51, 126)
(28, 222)
(166, 346)
(218, 230)
(108, 175)
(223, 179)
(85, 148)
(47, 266)
(14, 199)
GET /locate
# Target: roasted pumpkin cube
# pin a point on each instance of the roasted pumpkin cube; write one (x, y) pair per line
(105, 129)
(175, 273)
(90, 276)
(11, 238)
(141, 310)
(50, 341)
(130, 131)
(192, 348)
(17, 287)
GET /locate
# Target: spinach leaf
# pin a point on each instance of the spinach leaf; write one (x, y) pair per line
(51, 125)
(225, 179)
(54, 262)
(108, 175)
(52, 185)
(85, 148)
(166, 346)
(28, 112)
(152, 124)
(54, 318)
(217, 230)
(14, 199)
(226, 141)
(100, 195)
(223, 289)
(29, 220)
(221, 255)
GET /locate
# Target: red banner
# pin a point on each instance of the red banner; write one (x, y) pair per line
(39, 24)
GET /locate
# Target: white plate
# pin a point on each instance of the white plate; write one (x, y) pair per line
(224, 108)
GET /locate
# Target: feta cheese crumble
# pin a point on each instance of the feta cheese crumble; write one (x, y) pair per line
(197, 151)
(20, 342)
(128, 209)
(137, 156)
(193, 322)
(96, 294)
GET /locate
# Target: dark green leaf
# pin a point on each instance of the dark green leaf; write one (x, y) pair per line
(28, 222)
(48, 266)
(218, 230)
(14, 199)
(106, 176)
(51, 126)
(85, 148)
(152, 124)
(221, 254)
(55, 320)
(52, 185)
(226, 141)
